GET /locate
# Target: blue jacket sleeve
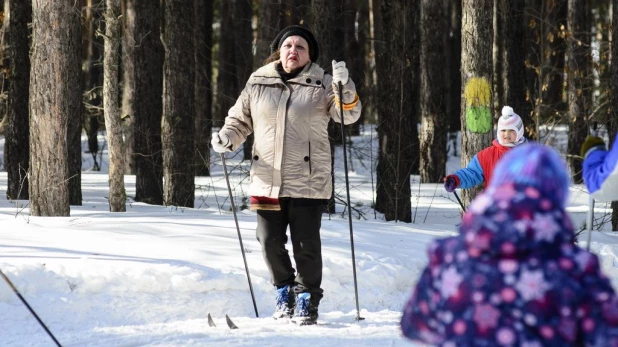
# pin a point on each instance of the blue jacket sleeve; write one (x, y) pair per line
(601, 170)
(472, 175)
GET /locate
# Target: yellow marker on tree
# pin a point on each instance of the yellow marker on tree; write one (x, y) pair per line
(477, 94)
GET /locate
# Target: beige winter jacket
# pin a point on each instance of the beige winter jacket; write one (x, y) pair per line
(291, 153)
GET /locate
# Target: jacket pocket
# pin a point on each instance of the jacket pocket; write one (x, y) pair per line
(256, 162)
(307, 159)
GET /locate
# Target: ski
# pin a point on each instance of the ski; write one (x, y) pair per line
(211, 322)
(304, 322)
(233, 326)
(228, 320)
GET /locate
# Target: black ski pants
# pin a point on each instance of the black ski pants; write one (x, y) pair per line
(304, 217)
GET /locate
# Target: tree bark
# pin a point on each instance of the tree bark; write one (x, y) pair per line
(534, 39)
(355, 54)
(328, 31)
(552, 105)
(499, 72)
(128, 84)
(434, 22)
(54, 101)
(178, 126)
(243, 55)
(270, 15)
(203, 85)
(613, 124)
(113, 123)
(579, 82)
(75, 126)
(147, 105)
(17, 135)
(92, 50)
(453, 58)
(514, 63)
(476, 77)
(226, 79)
(396, 24)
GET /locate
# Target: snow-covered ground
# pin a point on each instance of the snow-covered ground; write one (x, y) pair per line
(150, 276)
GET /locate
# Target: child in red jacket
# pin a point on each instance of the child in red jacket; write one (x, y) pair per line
(480, 169)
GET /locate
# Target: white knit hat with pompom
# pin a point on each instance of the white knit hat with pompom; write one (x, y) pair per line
(510, 121)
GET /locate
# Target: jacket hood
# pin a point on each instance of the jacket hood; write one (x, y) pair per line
(515, 220)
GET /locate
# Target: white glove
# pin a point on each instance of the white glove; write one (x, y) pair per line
(220, 143)
(340, 73)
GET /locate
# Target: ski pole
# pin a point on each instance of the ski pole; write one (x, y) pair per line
(242, 248)
(590, 220)
(29, 308)
(459, 201)
(347, 189)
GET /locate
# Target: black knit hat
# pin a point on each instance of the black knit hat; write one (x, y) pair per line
(297, 30)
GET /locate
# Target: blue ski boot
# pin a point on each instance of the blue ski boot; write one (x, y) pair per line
(306, 312)
(286, 301)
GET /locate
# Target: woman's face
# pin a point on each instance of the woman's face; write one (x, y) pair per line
(294, 53)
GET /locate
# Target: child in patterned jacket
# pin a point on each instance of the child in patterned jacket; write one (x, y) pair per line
(513, 276)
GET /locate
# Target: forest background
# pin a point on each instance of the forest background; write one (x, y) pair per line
(157, 78)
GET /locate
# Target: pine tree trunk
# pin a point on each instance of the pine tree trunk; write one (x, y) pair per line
(270, 15)
(499, 73)
(16, 153)
(243, 55)
(178, 126)
(396, 42)
(147, 105)
(54, 100)
(476, 78)
(533, 38)
(128, 84)
(355, 55)
(613, 124)
(514, 62)
(328, 31)
(75, 127)
(365, 38)
(579, 82)
(113, 123)
(226, 79)
(74, 133)
(203, 86)
(434, 22)
(93, 76)
(453, 58)
(555, 14)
